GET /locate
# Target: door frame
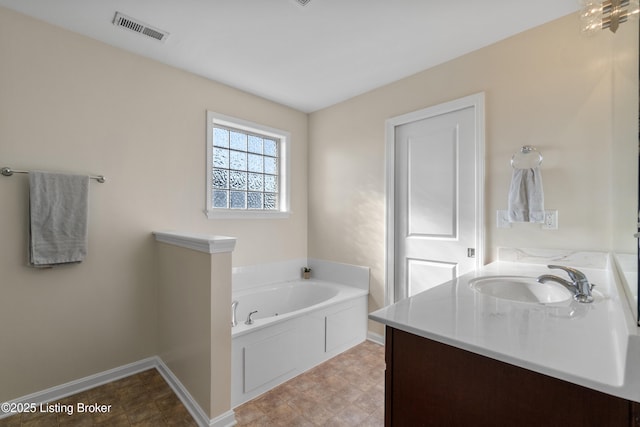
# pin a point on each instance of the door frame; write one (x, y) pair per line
(476, 101)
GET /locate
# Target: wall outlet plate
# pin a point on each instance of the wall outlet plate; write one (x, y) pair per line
(550, 220)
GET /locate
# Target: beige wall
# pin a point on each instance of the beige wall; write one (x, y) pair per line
(194, 337)
(550, 87)
(220, 362)
(68, 103)
(184, 318)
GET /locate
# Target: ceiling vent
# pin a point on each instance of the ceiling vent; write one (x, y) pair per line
(124, 21)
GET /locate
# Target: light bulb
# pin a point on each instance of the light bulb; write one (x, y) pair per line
(591, 27)
(590, 16)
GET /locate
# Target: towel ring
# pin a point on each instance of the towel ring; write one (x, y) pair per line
(527, 158)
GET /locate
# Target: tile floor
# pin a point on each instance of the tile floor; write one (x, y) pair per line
(347, 390)
(144, 399)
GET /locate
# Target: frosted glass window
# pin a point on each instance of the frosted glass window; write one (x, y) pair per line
(256, 182)
(255, 144)
(256, 163)
(271, 183)
(219, 199)
(270, 147)
(220, 179)
(238, 160)
(221, 137)
(238, 141)
(255, 201)
(220, 158)
(270, 165)
(245, 170)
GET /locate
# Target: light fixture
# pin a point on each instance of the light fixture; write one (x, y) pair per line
(599, 15)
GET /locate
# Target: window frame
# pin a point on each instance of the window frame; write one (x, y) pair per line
(284, 139)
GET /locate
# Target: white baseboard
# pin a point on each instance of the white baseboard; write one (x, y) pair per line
(73, 387)
(225, 420)
(86, 383)
(185, 397)
(376, 338)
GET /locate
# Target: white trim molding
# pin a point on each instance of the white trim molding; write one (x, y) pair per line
(227, 419)
(198, 242)
(476, 101)
(375, 338)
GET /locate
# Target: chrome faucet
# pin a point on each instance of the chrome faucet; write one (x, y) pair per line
(234, 306)
(249, 319)
(579, 284)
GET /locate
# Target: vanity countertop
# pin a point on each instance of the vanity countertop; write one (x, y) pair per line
(594, 345)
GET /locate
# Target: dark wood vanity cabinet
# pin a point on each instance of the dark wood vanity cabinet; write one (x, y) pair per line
(433, 384)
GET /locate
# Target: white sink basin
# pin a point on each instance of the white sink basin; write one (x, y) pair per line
(521, 288)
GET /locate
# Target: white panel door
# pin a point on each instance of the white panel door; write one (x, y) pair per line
(435, 200)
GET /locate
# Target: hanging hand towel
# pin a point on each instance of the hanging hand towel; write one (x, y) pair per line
(58, 205)
(526, 198)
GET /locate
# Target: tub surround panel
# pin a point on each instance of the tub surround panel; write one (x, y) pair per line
(252, 276)
(268, 359)
(278, 351)
(587, 344)
(341, 326)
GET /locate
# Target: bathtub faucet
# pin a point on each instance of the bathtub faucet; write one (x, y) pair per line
(234, 306)
(249, 319)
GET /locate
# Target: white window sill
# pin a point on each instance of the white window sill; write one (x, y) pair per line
(245, 214)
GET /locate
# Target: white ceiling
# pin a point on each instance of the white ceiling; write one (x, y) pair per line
(307, 57)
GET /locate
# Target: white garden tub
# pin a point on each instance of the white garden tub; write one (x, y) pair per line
(298, 325)
(281, 301)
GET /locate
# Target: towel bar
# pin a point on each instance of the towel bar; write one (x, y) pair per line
(8, 172)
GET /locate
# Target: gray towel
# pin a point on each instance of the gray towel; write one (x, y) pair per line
(58, 205)
(526, 198)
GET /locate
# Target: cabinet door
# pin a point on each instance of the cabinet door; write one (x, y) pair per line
(436, 384)
(635, 414)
